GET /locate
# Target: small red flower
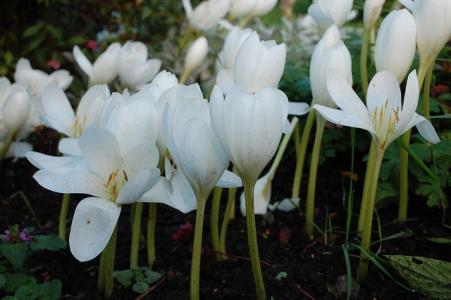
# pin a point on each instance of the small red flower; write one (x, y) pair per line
(183, 232)
(439, 89)
(91, 45)
(54, 64)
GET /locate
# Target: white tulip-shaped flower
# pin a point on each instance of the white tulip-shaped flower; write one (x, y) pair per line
(241, 8)
(330, 54)
(249, 126)
(105, 68)
(162, 82)
(371, 12)
(383, 117)
(207, 14)
(58, 114)
(395, 43)
(433, 22)
(135, 70)
(259, 64)
(37, 80)
(195, 56)
(105, 171)
(204, 161)
(330, 12)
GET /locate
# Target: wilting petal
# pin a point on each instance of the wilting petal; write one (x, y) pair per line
(136, 186)
(229, 180)
(344, 118)
(84, 64)
(101, 151)
(57, 110)
(92, 226)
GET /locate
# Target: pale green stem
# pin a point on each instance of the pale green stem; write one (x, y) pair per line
(214, 221)
(62, 227)
(228, 215)
(245, 20)
(101, 275)
(427, 93)
(366, 184)
(136, 233)
(197, 249)
(367, 227)
(311, 189)
(249, 186)
(301, 149)
(364, 61)
(151, 225)
(4, 149)
(184, 76)
(404, 155)
(110, 253)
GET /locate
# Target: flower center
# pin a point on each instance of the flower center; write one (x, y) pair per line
(385, 119)
(115, 182)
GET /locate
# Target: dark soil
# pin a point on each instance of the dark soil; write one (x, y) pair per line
(313, 268)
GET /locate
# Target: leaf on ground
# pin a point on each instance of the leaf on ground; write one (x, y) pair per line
(14, 253)
(429, 276)
(47, 242)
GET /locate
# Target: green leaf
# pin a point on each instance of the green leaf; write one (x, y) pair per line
(14, 253)
(16, 280)
(32, 30)
(2, 280)
(440, 240)
(150, 276)
(281, 275)
(386, 189)
(140, 287)
(124, 277)
(47, 242)
(429, 276)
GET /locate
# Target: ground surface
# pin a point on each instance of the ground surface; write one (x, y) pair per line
(312, 267)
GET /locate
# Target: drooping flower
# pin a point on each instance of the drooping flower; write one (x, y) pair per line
(383, 116)
(395, 43)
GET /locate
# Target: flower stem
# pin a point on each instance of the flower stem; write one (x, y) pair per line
(214, 221)
(368, 214)
(110, 253)
(424, 77)
(62, 227)
(136, 234)
(6, 145)
(151, 224)
(228, 215)
(366, 184)
(249, 186)
(311, 189)
(197, 249)
(101, 275)
(364, 61)
(427, 92)
(301, 149)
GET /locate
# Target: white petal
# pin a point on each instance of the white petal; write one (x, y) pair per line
(424, 127)
(229, 180)
(143, 156)
(57, 109)
(344, 118)
(82, 61)
(137, 185)
(69, 146)
(92, 226)
(298, 108)
(411, 96)
(62, 78)
(407, 3)
(287, 204)
(57, 164)
(384, 87)
(101, 151)
(19, 149)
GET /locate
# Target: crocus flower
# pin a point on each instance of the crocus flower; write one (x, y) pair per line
(249, 126)
(395, 43)
(16, 110)
(113, 176)
(383, 116)
(105, 68)
(433, 22)
(135, 70)
(195, 56)
(329, 54)
(160, 83)
(59, 115)
(207, 14)
(241, 8)
(371, 12)
(330, 12)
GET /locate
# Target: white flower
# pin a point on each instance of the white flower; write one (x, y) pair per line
(105, 68)
(162, 82)
(104, 170)
(195, 55)
(241, 8)
(330, 12)
(329, 54)
(383, 116)
(263, 7)
(395, 43)
(207, 14)
(371, 12)
(135, 70)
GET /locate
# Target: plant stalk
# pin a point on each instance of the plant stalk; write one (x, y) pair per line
(301, 149)
(249, 186)
(366, 184)
(197, 249)
(151, 225)
(368, 214)
(214, 222)
(136, 233)
(226, 219)
(311, 189)
(110, 254)
(62, 226)
(427, 93)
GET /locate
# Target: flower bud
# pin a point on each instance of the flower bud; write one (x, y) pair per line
(196, 54)
(371, 12)
(16, 110)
